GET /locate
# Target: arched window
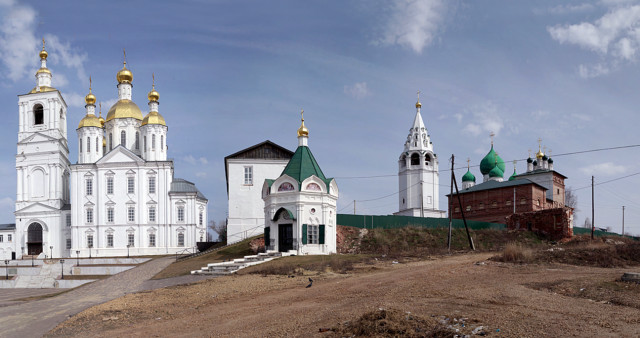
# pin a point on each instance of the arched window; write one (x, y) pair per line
(427, 159)
(80, 144)
(313, 187)
(88, 144)
(403, 161)
(286, 186)
(153, 142)
(123, 138)
(137, 140)
(161, 142)
(97, 144)
(38, 114)
(415, 159)
(145, 143)
(110, 141)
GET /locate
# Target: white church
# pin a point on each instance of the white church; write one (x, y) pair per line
(418, 176)
(121, 197)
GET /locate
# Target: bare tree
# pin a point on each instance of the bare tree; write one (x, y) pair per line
(570, 199)
(220, 228)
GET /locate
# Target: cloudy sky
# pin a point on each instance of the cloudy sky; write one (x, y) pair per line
(235, 73)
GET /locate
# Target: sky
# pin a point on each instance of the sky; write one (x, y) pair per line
(232, 74)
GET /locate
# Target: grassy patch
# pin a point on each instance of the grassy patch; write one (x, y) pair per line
(185, 267)
(298, 265)
(392, 323)
(516, 253)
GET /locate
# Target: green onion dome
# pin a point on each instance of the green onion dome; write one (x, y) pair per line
(550, 160)
(513, 176)
(529, 160)
(490, 161)
(535, 163)
(468, 177)
(496, 172)
(545, 157)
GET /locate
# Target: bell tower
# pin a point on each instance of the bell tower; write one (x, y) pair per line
(418, 175)
(42, 167)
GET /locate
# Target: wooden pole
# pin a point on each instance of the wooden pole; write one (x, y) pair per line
(593, 221)
(623, 220)
(471, 245)
(450, 207)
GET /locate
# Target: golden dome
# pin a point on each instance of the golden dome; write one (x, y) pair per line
(123, 109)
(153, 96)
(90, 99)
(43, 53)
(303, 131)
(539, 154)
(43, 70)
(101, 120)
(153, 118)
(90, 120)
(418, 104)
(124, 75)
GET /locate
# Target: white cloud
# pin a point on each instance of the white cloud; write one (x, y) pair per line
(604, 169)
(589, 71)
(74, 99)
(106, 104)
(190, 159)
(414, 23)
(203, 160)
(358, 90)
(458, 117)
(485, 119)
(66, 55)
(615, 37)
(18, 44)
(201, 174)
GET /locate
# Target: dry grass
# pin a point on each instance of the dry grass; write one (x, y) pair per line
(516, 253)
(301, 265)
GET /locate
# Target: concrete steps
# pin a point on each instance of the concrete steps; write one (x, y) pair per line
(227, 268)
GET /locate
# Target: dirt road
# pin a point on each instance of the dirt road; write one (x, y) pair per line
(496, 295)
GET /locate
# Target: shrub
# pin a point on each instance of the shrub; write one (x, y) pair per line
(516, 253)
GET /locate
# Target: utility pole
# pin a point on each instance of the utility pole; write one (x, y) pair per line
(623, 220)
(593, 221)
(450, 207)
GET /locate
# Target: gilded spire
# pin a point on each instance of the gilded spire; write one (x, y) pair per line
(43, 53)
(124, 75)
(539, 154)
(153, 95)
(90, 99)
(303, 131)
(418, 104)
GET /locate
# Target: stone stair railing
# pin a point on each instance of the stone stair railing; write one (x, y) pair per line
(227, 268)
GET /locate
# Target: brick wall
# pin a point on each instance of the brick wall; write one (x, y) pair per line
(554, 224)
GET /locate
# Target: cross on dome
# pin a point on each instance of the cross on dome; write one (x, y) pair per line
(491, 135)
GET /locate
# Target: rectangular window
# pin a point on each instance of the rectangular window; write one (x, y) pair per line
(68, 243)
(161, 142)
(110, 215)
(181, 239)
(248, 175)
(109, 185)
(89, 215)
(68, 220)
(152, 214)
(153, 142)
(181, 214)
(9, 238)
(152, 240)
(152, 185)
(131, 214)
(131, 187)
(131, 239)
(89, 186)
(145, 143)
(312, 234)
(89, 241)
(201, 219)
(1, 238)
(109, 240)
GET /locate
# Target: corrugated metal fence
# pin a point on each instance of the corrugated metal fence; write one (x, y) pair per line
(393, 222)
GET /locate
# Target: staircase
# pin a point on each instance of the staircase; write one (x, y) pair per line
(46, 278)
(227, 268)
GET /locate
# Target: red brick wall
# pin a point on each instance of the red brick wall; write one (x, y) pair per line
(491, 205)
(554, 223)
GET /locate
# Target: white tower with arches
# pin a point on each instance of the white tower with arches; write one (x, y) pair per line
(42, 168)
(418, 175)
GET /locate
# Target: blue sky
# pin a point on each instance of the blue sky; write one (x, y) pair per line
(234, 73)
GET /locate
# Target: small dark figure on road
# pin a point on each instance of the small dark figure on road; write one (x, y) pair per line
(310, 282)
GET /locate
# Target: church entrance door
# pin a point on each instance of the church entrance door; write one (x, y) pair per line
(285, 237)
(34, 239)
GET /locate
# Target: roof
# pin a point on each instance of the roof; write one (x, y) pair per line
(11, 226)
(489, 185)
(303, 165)
(540, 171)
(266, 150)
(180, 185)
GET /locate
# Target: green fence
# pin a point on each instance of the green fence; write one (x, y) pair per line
(598, 233)
(393, 222)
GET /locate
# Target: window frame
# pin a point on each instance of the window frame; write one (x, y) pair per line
(152, 214)
(152, 240)
(151, 186)
(109, 240)
(89, 241)
(248, 175)
(131, 214)
(110, 214)
(131, 239)
(88, 184)
(180, 242)
(180, 213)
(89, 215)
(110, 185)
(131, 185)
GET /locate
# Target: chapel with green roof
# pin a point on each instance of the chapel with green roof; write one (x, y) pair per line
(300, 205)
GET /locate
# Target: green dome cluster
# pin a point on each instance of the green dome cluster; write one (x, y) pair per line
(496, 172)
(490, 161)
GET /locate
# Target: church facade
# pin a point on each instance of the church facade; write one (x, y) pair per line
(121, 197)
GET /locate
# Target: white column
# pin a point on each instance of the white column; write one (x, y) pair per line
(19, 182)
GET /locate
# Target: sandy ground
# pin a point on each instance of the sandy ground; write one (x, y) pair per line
(500, 296)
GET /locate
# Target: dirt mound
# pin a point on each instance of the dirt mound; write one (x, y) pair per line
(393, 323)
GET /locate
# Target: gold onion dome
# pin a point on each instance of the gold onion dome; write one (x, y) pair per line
(90, 120)
(43, 53)
(153, 95)
(418, 104)
(153, 118)
(43, 70)
(539, 154)
(124, 75)
(124, 108)
(90, 99)
(303, 131)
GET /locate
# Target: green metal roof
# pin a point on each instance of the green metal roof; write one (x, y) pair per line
(303, 165)
(490, 161)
